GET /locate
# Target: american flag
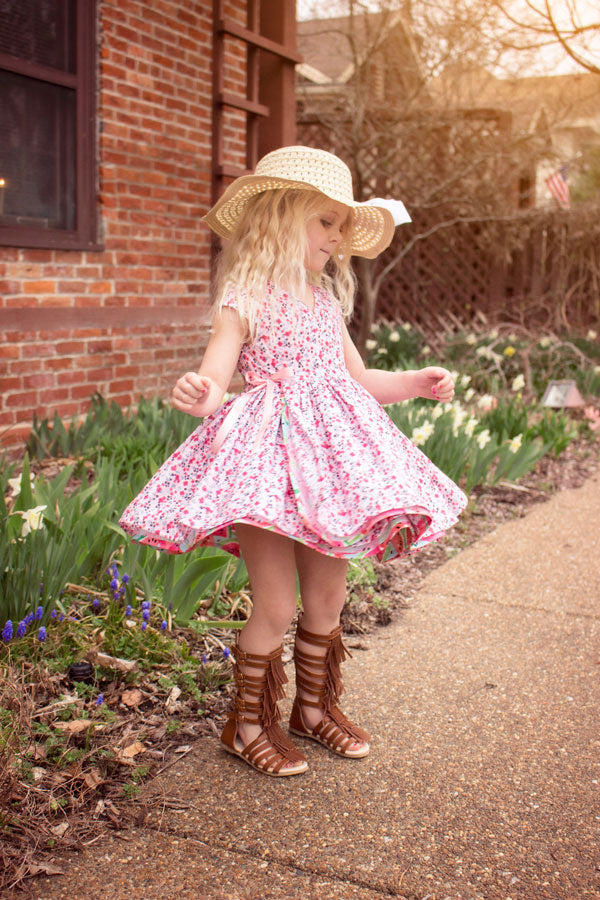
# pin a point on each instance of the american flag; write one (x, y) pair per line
(558, 187)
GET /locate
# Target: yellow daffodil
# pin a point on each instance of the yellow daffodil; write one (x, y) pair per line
(510, 350)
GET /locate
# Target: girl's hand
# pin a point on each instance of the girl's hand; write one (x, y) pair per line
(435, 383)
(189, 390)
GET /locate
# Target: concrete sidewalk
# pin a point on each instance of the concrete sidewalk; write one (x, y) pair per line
(483, 780)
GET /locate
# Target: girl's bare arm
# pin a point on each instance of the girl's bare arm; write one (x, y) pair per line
(433, 382)
(201, 393)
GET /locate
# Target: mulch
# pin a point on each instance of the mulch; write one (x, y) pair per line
(70, 807)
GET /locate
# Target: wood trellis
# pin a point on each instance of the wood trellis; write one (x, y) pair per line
(539, 269)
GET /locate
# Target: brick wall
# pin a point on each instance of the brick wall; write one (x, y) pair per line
(129, 319)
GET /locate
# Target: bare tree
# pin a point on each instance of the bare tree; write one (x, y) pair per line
(534, 25)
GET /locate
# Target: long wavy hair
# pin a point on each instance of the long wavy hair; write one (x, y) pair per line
(270, 245)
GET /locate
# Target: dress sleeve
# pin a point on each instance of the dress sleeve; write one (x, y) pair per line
(231, 299)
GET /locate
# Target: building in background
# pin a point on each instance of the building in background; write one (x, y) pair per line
(122, 121)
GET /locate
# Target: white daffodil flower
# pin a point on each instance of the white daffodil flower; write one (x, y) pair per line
(545, 341)
(394, 337)
(422, 433)
(33, 520)
(406, 326)
(483, 438)
(516, 443)
(469, 394)
(470, 426)
(471, 339)
(592, 335)
(465, 380)
(485, 401)
(518, 382)
(15, 483)
(426, 350)
(370, 344)
(493, 334)
(437, 411)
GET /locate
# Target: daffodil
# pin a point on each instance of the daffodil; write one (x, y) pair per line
(493, 334)
(426, 350)
(33, 520)
(471, 339)
(518, 382)
(465, 380)
(510, 350)
(469, 394)
(516, 443)
(483, 438)
(15, 484)
(370, 344)
(545, 341)
(406, 326)
(485, 401)
(592, 335)
(437, 411)
(470, 426)
(394, 337)
(421, 434)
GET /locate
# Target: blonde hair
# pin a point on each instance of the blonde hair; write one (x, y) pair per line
(269, 244)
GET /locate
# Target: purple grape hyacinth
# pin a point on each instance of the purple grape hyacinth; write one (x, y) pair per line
(7, 631)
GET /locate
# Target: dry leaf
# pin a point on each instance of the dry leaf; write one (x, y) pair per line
(59, 830)
(185, 748)
(133, 750)
(171, 701)
(74, 726)
(111, 662)
(44, 869)
(93, 778)
(38, 773)
(99, 808)
(132, 697)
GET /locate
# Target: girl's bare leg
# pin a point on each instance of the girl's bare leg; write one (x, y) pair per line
(323, 592)
(271, 565)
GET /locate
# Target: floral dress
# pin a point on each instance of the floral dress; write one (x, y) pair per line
(304, 451)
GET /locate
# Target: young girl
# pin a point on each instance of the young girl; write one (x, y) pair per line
(303, 470)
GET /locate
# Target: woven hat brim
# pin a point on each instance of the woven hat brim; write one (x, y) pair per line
(373, 226)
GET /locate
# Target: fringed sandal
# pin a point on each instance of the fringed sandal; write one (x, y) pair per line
(320, 676)
(256, 702)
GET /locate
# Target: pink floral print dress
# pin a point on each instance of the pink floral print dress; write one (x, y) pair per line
(304, 451)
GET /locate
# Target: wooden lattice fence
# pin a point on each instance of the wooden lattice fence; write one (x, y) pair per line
(539, 269)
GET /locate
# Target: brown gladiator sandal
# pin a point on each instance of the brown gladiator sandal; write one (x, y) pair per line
(256, 702)
(321, 677)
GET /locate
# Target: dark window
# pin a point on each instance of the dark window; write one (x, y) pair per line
(47, 111)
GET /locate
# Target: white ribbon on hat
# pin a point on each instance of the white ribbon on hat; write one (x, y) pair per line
(395, 207)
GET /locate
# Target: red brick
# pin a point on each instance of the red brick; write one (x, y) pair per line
(64, 348)
(9, 351)
(55, 396)
(39, 381)
(39, 287)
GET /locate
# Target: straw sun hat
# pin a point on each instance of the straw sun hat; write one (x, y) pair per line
(305, 168)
